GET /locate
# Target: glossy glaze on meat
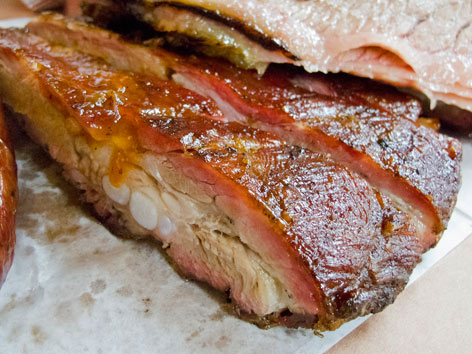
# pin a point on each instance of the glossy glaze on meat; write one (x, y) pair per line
(333, 220)
(371, 128)
(374, 134)
(8, 200)
(338, 246)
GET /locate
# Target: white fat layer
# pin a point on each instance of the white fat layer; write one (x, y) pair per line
(165, 228)
(173, 204)
(151, 165)
(143, 210)
(119, 194)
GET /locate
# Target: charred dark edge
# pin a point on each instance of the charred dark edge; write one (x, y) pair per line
(114, 18)
(8, 196)
(253, 33)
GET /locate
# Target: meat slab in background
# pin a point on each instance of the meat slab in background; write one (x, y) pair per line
(407, 45)
(426, 47)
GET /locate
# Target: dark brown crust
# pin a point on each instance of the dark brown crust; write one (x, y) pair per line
(358, 247)
(8, 200)
(333, 220)
(370, 133)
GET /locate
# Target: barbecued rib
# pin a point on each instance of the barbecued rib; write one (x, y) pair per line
(364, 125)
(416, 166)
(8, 200)
(281, 227)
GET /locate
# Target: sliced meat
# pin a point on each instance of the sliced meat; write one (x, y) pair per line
(408, 44)
(217, 35)
(281, 227)
(8, 200)
(369, 127)
(414, 164)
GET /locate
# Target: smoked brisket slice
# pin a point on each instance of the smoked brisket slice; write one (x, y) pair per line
(326, 244)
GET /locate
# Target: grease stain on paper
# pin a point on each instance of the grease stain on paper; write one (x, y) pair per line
(126, 291)
(147, 305)
(32, 296)
(98, 286)
(38, 335)
(50, 209)
(222, 342)
(194, 334)
(87, 300)
(14, 333)
(218, 316)
(10, 305)
(57, 233)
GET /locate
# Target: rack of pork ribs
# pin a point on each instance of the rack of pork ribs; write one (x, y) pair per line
(308, 198)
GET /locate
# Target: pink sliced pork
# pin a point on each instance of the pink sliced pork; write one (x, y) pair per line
(425, 46)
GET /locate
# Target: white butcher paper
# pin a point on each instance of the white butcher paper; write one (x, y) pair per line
(75, 288)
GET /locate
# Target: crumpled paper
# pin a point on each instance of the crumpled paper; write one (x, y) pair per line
(74, 287)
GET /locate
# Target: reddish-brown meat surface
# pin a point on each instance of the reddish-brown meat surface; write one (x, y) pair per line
(334, 221)
(8, 200)
(365, 93)
(339, 246)
(365, 125)
(373, 134)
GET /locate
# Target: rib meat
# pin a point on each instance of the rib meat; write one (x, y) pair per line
(369, 127)
(410, 162)
(291, 233)
(8, 200)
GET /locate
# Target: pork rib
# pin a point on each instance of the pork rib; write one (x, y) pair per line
(282, 227)
(367, 126)
(412, 163)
